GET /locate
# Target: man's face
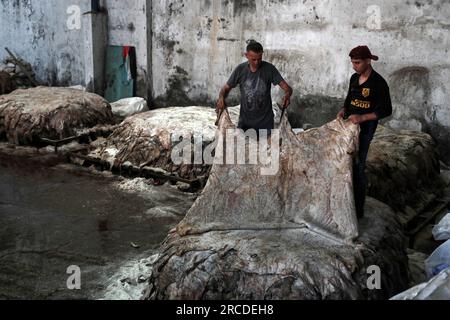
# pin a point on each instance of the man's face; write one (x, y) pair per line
(360, 65)
(254, 59)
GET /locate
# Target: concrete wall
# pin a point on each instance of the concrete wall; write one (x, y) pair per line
(38, 31)
(308, 40)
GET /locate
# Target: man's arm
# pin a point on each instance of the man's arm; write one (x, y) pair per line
(360, 118)
(287, 93)
(222, 96)
(383, 103)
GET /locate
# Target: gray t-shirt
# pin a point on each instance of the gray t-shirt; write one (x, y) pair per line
(256, 99)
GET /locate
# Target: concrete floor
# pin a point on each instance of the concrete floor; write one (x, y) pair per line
(51, 218)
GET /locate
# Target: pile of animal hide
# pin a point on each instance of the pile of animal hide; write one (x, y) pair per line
(52, 113)
(285, 229)
(149, 138)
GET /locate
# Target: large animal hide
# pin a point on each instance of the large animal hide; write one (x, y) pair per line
(311, 187)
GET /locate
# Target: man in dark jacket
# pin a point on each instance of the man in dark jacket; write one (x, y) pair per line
(368, 101)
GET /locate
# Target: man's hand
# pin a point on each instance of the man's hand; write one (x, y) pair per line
(356, 118)
(220, 104)
(360, 118)
(286, 101)
(288, 93)
(341, 114)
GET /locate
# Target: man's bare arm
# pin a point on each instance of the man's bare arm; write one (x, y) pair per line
(222, 96)
(288, 93)
(360, 118)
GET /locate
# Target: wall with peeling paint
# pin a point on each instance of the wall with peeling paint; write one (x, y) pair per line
(37, 31)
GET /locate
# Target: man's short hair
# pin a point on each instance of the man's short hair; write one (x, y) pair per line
(255, 46)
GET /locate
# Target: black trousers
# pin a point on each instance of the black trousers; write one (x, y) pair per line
(359, 165)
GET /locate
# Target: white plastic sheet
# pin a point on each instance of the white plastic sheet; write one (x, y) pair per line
(129, 106)
(437, 288)
(441, 231)
(78, 87)
(439, 260)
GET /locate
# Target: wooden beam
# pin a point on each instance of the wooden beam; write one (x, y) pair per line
(130, 170)
(22, 68)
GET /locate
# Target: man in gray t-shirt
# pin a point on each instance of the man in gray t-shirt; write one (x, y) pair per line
(255, 78)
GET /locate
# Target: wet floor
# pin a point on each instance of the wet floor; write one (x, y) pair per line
(52, 218)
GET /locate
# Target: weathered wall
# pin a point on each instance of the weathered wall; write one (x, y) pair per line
(51, 35)
(197, 43)
(38, 32)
